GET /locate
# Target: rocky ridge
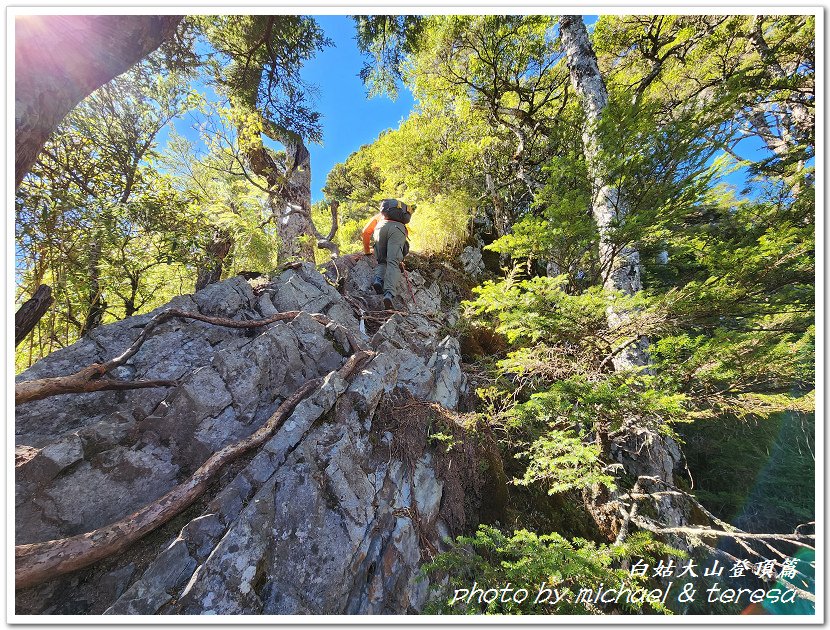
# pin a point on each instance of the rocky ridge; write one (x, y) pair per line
(333, 515)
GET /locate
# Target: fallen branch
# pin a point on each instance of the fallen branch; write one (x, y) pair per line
(37, 562)
(727, 530)
(89, 379)
(793, 539)
(696, 534)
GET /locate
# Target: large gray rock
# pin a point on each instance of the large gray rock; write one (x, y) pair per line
(170, 570)
(472, 261)
(450, 382)
(646, 452)
(173, 351)
(305, 289)
(325, 518)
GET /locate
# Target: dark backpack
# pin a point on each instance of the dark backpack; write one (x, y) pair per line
(395, 210)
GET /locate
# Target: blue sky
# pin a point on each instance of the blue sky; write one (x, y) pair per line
(349, 118)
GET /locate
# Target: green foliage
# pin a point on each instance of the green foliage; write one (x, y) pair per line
(583, 400)
(493, 155)
(95, 219)
(560, 230)
(422, 162)
(561, 461)
(222, 201)
(257, 62)
(702, 366)
(507, 60)
(502, 77)
(538, 309)
(742, 374)
(356, 183)
(735, 65)
(386, 40)
(526, 560)
(448, 441)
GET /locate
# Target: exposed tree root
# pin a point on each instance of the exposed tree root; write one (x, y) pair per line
(37, 562)
(89, 379)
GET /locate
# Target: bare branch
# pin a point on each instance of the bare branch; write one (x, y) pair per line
(697, 535)
(89, 378)
(326, 242)
(37, 562)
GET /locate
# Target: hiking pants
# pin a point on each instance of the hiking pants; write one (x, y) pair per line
(390, 248)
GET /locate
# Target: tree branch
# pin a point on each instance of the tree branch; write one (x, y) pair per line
(696, 534)
(89, 378)
(37, 562)
(326, 242)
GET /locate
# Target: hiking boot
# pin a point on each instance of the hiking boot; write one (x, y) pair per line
(387, 301)
(378, 287)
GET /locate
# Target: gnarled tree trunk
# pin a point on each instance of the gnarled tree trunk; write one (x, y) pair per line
(289, 192)
(60, 59)
(292, 203)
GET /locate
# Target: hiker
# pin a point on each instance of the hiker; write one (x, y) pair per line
(388, 230)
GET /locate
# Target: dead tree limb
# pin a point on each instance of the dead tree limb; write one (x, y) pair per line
(28, 315)
(793, 539)
(327, 242)
(726, 529)
(37, 562)
(89, 379)
(696, 535)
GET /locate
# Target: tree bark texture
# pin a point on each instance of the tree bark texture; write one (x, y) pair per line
(608, 202)
(289, 190)
(327, 242)
(640, 450)
(61, 59)
(292, 203)
(97, 303)
(28, 315)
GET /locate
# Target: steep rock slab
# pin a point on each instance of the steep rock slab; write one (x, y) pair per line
(89, 445)
(325, 496)
(328, 521)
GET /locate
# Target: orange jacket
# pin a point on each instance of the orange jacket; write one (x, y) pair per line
(370, 228)
(368, 231)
